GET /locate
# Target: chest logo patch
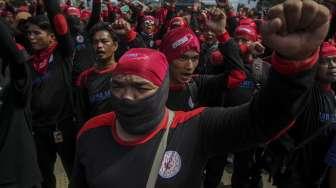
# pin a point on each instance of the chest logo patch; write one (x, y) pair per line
(171, 164)
(80, 39)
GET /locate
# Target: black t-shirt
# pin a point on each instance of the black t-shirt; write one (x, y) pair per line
(105, 160)
(316, 126)
(84, 57)
(51, 93)
(202, 90)
(18, 158)
(95, 92)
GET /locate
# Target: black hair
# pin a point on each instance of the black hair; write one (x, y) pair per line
(103, 26)
(41, 21)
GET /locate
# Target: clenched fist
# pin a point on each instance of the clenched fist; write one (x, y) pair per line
(121, 27)
(296, 28)
(216, 20)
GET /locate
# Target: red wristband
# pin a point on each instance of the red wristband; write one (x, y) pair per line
(224, 37)
(289, 67)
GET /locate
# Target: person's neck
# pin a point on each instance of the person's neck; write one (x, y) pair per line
(125, 135)
(176, 83)
(44, 49)
(105, 64)
(325, 86)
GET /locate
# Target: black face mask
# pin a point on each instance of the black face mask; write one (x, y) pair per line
(141, 117)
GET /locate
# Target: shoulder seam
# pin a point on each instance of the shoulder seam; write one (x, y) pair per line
(103, 120)
(181, 117)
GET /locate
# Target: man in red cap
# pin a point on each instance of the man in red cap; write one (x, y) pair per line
(169, 149)
(247, 38)
(293, 155)
(182, 48)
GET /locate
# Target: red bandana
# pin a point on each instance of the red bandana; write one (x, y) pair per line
(146, 63)
(40, 59)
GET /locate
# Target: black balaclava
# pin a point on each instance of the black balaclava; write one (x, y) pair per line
(143, 116)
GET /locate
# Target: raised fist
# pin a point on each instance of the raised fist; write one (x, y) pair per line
(296, 28)
(170, 3)
(256, 48)
(121, 27)
(216, 20)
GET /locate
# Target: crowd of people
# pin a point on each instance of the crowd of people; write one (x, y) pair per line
(136, 95)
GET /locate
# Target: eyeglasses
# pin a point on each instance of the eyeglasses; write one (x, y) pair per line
(149, 22)
(189, 58)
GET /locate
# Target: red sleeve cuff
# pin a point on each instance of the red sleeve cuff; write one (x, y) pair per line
(141, 14)
(131, 36)
(110, 7)
(19, 47)
(224, 37)
(235, 78)
(290, 67)
(244, 49)
(231, 14)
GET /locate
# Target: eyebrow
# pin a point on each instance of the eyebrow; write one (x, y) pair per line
(142, 83)
(190, 56)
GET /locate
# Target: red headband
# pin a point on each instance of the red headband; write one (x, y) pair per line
(85, 15)
(73, 11)
(246, 32)
(149, 64)
(23, 9)
(149, 18)
(327, 50)
(178, 41)
(177, 22)
(249, 22)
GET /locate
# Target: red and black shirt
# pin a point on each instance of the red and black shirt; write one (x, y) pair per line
(106, 160)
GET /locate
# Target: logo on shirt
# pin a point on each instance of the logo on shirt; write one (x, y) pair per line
(171, 164)
(247, 84)
(80, 39)
(328, 117)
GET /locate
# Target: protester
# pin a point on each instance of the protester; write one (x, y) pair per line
(140, 90)
(330, 160)
(52, 103)
(18, 158)
(100, 62)
(304, 147)
(95, 81)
